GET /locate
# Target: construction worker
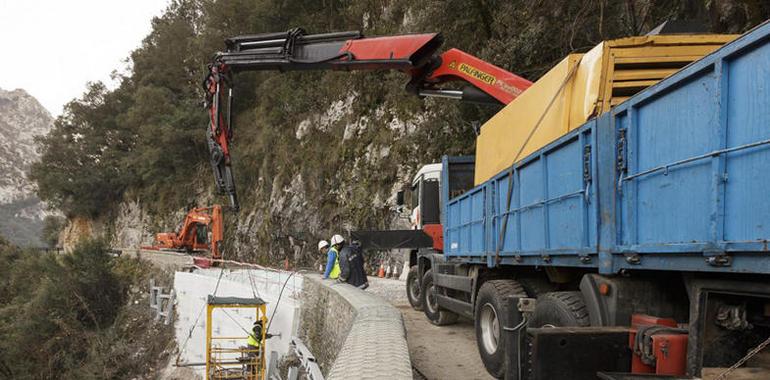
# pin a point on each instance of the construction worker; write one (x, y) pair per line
(332, 258)
(352, 265)
(323, 248)
(253, 343)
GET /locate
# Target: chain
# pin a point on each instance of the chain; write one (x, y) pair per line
(754, 351)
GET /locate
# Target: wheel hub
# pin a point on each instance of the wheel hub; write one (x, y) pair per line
(414, 289)
(431, 297)
(490, 328)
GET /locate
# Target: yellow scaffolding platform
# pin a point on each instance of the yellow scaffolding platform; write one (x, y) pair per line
(237, 362)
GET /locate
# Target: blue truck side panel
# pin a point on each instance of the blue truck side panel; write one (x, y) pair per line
(552, 209)
(671, 179)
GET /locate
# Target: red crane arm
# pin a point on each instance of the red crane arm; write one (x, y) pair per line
(499, 83)
(414, 54)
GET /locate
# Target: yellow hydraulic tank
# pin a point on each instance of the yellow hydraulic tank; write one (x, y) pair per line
(580, 87)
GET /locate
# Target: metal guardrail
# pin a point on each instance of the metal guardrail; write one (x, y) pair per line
(307, 360)
(163, 304)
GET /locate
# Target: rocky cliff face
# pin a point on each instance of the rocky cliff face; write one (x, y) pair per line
(22, 118)
(321, 153)
(283, 216)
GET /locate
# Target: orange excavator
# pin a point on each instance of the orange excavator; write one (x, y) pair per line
(202, 230)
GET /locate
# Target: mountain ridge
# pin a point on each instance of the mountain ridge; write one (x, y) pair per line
(22, 119)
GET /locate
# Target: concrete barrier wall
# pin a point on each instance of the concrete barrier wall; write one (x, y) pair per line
(353, 334)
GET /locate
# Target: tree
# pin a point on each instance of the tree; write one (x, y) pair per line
(52, 226)
(80, 171)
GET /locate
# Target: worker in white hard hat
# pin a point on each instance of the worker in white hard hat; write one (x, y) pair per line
(323, 246)
(332, 257)
(323, 249)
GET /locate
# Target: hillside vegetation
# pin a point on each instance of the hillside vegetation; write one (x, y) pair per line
(315, 152)
(77, 316)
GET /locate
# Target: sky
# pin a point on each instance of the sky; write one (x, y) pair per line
(52, 48)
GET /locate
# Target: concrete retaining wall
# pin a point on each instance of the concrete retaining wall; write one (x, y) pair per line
(353, 334)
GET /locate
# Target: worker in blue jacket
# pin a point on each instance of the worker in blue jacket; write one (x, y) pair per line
(332, 257)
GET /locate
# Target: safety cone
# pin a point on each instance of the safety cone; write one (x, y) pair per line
(395, 271)
(381, 272)
(321, 268)
(388, 272)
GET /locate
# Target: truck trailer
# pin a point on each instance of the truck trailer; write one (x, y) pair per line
(633, 245)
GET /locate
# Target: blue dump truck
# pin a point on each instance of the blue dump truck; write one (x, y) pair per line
(635, 244)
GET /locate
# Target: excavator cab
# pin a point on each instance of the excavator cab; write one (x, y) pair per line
(228, 356)
(202, 235)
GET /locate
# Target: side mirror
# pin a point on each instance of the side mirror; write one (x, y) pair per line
(400, 198)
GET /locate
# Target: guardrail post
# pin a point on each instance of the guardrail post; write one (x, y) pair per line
(169, 314)
(156, 302)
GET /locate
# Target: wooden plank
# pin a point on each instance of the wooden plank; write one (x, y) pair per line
(673, 40)
(652, 52)
(634, 84)
(643, 74)
(618, 99)
(664, 59)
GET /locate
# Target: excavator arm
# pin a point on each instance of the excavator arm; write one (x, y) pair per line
(413, 54)
(185, 238)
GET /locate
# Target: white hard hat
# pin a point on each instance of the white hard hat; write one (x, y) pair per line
(336, 239)
(322, 244)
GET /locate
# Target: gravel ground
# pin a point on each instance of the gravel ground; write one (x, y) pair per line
(394, 291)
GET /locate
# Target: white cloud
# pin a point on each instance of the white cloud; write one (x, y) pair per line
(52, 48)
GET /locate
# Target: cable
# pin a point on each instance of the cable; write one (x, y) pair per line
(254, 289)
(195, 324)
(278, 302)
(754, 351)
(275, 310)
(504, 226)
(236, 322)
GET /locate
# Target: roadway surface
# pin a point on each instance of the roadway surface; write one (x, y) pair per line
(447, 352)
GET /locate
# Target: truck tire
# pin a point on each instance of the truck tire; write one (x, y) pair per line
(560, 309)
(413, 288)
(489, 317)
(435, 314)
(536, 286)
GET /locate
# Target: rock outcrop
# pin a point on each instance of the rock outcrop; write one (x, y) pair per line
(22, 118)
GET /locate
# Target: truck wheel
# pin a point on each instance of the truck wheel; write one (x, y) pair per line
(489, 318)
(435, 314)
(560, 309)
(413, 288)
(536, 286)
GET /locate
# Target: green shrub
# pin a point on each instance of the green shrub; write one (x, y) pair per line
(67, 316)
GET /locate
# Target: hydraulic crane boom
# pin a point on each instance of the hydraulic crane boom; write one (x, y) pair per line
(414, 54)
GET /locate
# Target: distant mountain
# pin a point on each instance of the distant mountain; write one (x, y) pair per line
(22, 118)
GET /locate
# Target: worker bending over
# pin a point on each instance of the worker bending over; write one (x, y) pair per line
(352, 265)
(332, 257)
